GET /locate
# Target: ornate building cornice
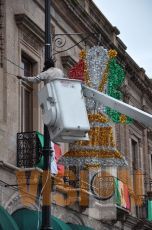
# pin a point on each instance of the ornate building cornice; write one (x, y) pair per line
(138, 77)
(90, 23)
(142, 84)
(87, 23)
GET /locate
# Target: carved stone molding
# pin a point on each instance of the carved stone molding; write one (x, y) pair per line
(67, 61)
(25, 23)
(149, 134)
(138, 77)
(14, 203)
(126, 92)
(141, 142)
(130, 132)
(144, 85)
(73, 218)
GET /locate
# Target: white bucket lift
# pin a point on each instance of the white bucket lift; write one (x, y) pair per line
(64, 111)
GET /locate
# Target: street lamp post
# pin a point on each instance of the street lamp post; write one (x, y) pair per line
(46, 178)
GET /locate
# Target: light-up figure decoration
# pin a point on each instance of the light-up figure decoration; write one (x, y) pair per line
(95, 69)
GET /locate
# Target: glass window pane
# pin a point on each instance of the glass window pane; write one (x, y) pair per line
(26, 97)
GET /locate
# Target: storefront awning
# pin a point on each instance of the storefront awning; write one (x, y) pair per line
(6, 221)
(149, 204)
(30, 219)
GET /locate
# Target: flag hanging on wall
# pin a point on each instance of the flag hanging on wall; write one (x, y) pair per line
(55, 167)
(122, 194)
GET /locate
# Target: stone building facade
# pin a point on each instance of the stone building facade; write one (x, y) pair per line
(22, 52)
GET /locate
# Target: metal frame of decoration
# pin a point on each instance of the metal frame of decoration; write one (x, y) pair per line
(94, 69)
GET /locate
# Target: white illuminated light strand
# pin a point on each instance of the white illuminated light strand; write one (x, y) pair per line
(93, 160)
(97, 59)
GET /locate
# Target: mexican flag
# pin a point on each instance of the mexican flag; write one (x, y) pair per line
(122, 194)
(55, 167)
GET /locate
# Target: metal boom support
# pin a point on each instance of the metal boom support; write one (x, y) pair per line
(120, 106)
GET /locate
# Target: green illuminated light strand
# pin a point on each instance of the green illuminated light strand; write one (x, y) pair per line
(116, 77)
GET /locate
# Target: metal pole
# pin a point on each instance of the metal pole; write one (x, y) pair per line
(46, 178)
(48, 49)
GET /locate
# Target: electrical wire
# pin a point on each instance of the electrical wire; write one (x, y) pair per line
(4, 184)
(14, 63)
(14, 187)
(57, 52)
(10, 73)
(39, 200)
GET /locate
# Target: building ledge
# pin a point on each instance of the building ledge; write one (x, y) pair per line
(23, 21)
(13, 168)
(68, 61)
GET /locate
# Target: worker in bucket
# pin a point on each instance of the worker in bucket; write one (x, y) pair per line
(49, 73)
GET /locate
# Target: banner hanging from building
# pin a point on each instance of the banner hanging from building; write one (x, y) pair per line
(55, 167)
(122, 194)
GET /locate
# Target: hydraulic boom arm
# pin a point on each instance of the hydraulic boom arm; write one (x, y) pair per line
(120, 106)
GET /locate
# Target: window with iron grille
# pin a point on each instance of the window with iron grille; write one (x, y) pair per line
(29, 149)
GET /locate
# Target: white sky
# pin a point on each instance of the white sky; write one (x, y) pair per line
(133, 18)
